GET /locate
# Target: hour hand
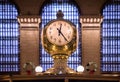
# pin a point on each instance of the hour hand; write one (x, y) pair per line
(62, 34)
(59, 30)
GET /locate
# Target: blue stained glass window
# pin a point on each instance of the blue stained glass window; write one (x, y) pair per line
(110, 33)
(9, 38)
(71, 13)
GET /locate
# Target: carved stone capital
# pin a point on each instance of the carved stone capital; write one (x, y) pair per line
(29, 21)
(91, 21)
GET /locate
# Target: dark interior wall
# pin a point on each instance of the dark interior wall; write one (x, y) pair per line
(32, 7)
(90, 9)
(29, 7)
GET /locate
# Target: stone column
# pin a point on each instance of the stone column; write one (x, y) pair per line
(90, 29)
(29, 41)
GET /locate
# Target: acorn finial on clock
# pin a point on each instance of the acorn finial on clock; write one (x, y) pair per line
(60, 14)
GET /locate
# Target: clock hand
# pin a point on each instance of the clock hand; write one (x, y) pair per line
(60, 26)
(62, 34)
(59, 30)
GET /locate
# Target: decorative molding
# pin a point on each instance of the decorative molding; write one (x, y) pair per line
(89, 21)
(29, 21)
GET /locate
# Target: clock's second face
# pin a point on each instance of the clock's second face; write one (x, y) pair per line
(59, 33)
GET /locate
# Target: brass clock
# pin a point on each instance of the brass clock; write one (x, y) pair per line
(59, 39)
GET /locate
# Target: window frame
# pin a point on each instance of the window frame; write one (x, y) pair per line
(11, 20)
(110, 68)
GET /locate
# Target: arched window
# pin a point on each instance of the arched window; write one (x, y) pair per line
(71, 13)
(9, 38)
(110, 33)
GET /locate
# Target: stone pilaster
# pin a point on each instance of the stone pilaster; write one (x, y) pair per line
(90, 29)
(29, 40)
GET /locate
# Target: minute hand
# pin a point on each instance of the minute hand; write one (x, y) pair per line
(62, 34)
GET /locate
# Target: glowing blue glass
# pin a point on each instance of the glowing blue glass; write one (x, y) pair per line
(9, 37)
(110, 48)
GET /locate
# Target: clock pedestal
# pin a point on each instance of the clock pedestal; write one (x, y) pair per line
(60, 65)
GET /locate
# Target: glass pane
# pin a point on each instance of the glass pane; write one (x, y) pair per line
(9, 38)
(110, 58)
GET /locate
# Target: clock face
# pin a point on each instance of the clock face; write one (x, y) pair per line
(59, 32)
